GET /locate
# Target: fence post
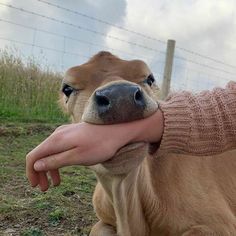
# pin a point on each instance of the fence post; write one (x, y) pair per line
(168, 68)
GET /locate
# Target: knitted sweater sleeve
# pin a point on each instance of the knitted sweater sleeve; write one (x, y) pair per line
(201, 124)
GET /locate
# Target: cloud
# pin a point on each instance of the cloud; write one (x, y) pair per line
(205, 27)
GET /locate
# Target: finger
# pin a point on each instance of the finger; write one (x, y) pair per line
(55, 176)
(56, 143)
(74, 156)
(53, 144)
(31, 174)
(58, 160)
(43, 181)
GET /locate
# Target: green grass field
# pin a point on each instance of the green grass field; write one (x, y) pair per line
(64, 210)
(28, 93)
(28, 114)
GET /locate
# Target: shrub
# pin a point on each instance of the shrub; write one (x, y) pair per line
(27, 91)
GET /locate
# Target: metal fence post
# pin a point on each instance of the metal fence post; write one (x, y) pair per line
(168, 68)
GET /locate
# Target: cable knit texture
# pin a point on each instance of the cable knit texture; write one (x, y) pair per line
(202, 124)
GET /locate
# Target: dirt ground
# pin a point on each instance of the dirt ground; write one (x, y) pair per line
(64, 210)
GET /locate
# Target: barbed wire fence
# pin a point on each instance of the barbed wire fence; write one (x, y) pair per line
(191, 70)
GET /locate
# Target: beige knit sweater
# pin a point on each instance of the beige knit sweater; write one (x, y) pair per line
(202, 124)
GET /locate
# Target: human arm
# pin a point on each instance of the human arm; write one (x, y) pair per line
(79, 144)
(201, 124)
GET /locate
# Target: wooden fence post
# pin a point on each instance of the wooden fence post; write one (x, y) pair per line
(168, 68)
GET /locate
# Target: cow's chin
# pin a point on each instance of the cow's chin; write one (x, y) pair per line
(124, 161)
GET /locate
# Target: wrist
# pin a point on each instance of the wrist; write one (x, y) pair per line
(149, 129)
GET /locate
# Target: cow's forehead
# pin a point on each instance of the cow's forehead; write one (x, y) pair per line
(104, 56)
(105, 64)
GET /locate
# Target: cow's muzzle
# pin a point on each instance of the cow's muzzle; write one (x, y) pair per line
(118, 102)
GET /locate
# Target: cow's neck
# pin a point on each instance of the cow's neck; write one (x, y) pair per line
(129, 195)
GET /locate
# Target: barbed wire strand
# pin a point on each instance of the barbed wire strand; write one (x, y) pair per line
(201, 64)
(43, 47)
(133, 32)
(82, 28)
(102, 21)
(207, 57)
(71, 38)
(57, 50)
(204, 73)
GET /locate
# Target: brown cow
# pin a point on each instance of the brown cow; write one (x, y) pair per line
(140, 193)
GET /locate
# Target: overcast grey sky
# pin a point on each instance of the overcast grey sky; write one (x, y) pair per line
(203, 27)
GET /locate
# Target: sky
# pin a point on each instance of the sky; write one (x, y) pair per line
(204, 31)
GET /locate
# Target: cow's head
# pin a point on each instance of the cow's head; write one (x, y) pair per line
(109, 90)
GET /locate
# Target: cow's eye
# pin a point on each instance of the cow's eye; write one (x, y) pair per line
(67, 89)
(150, 80)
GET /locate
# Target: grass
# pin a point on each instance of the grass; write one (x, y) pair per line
(32, 232)
(28, 93)
(28, 114)
(64, 210)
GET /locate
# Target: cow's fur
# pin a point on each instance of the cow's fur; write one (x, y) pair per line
(143, 194)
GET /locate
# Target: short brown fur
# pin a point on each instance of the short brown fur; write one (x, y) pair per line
(139, 194)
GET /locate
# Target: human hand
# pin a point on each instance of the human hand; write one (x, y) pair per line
(74, 144)
(86, 144)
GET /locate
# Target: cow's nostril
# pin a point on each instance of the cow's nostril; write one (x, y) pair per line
(102, 100)
(138, 97)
